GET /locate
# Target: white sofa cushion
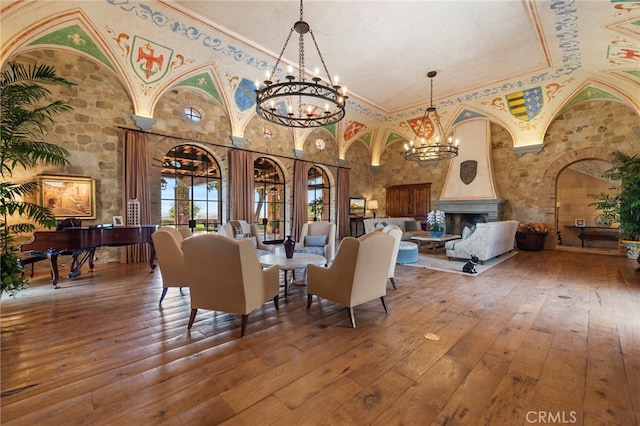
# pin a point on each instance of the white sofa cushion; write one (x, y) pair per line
(488, 240)
(371, 225)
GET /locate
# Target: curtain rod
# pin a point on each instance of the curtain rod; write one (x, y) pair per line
(227, 146)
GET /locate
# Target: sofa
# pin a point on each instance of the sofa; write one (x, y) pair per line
(408, 225)
(488, 240)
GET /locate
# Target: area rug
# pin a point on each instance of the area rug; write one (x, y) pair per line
(440, 262)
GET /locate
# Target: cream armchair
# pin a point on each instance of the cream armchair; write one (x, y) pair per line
(241, 229)
(166, 242)
(185, 232)
(357, 275)
(396, 233)
(225, 275)
(312, 241)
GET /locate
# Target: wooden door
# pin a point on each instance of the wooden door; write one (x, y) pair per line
(412, 200)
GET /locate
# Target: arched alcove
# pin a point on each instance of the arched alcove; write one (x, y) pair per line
(548, 198)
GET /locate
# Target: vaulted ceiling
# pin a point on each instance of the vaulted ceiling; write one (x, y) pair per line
(382, 50)
(484, 52)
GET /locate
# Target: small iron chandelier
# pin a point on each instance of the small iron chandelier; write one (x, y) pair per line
(301, 103)
(431, 148)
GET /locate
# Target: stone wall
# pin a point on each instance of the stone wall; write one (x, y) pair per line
(591, 129)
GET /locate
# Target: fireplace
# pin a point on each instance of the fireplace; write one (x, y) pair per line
(461, 213)
(469, 194)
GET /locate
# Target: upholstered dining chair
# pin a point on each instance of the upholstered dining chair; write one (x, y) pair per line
(358, 273)
(166, 242)
(396, 233)
(224, 275)
(318, 238)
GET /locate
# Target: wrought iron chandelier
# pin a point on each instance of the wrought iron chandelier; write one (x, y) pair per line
(300, 103)
(432, 145)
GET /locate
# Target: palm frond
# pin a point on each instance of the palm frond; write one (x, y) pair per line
(17, 73)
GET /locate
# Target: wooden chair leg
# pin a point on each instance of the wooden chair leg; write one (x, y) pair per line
(164, 293)
(276, 302)
(243, 327)
(384, 305)
(393, 283)
(192, 317)
(352, 318)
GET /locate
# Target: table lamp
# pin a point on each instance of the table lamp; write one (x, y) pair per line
(373, 206)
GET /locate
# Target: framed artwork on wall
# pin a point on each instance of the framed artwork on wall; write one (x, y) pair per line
(356, 206)
(68, 196)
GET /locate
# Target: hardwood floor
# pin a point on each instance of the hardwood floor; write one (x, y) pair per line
(545, 337)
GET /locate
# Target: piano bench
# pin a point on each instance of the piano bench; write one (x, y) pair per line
(30, 258)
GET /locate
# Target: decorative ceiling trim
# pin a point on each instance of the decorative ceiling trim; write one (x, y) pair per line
(204, 82)
(75, 38)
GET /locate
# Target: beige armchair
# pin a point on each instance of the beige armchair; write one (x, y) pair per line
(185, 232)
(166, 242)
(224, 275)
(396, 233)
(241, 229)
(311, 240)
(357, 275)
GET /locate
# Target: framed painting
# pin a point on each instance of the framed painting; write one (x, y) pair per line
(356, 206)
(68, 196)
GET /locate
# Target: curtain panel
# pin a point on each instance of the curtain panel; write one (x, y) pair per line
(300, 197)
(342, 202)
(241, 185)
(135, 184)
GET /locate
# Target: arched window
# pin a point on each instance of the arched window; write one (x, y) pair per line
(190, 189)
(270, 199)
(318, 194)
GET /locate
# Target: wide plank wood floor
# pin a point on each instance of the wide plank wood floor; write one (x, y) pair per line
(545, 337)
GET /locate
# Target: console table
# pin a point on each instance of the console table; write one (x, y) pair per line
(354, 224)
(602, 233)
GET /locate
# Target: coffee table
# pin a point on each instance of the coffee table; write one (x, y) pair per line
(298, 261)
(432, 242)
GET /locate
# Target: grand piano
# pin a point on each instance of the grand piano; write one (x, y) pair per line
(81, 243)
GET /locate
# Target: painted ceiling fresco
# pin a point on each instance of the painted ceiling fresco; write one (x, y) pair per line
(564, 52)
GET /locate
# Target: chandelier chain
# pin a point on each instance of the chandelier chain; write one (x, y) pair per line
(275, 67)
(324, 66)
(437, 147)
(303, 103)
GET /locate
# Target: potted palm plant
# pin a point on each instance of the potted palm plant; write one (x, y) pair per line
(623, 205)
(26, 116)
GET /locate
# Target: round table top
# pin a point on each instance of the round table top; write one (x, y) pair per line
(299, 260)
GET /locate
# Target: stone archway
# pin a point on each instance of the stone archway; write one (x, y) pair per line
(549, 184)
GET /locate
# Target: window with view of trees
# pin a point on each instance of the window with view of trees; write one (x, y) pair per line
(190, 189)
(269, 212)
(318, 195)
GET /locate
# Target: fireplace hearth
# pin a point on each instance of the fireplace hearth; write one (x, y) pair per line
(461, 213)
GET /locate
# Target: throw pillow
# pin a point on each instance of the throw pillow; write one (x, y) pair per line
(466, 232)
(315, 240)
(411, 225)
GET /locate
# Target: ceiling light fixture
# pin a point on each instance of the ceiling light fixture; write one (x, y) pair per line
(432, 144)
(301, 103)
